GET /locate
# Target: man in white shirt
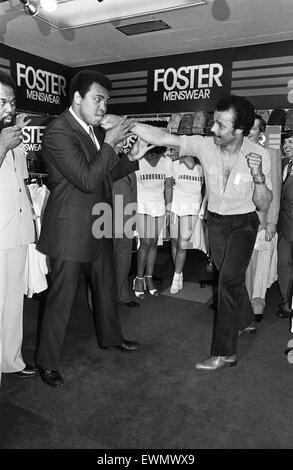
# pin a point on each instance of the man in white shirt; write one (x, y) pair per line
(237, 174)
(16, 232)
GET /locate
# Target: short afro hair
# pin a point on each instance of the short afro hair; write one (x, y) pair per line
(83, 80)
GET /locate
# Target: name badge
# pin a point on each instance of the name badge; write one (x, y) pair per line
(237, 179)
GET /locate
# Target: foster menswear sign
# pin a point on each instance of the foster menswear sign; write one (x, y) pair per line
(196, 81)
(193, 81)
(184, 82)
(41, 85)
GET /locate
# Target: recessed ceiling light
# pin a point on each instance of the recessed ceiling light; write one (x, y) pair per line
(143, 27)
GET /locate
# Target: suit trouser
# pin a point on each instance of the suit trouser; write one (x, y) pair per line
(12, 266)
(232, 239)
(122, 250)
(285, 267)
(65, 277)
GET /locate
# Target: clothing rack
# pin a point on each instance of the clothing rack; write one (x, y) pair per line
(34, 177)
(151, 117)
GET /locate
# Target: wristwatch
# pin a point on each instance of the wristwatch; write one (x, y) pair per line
(261, 179)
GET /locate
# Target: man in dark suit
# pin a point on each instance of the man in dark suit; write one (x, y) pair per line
(285, 231)
(81, 164)
(124, 201)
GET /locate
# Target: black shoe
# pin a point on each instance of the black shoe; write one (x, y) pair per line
(51, 377)
(213, 306)
(249, 330)
(132, 304)
(258, 318)
(282, 313)
(28, 371)
(128, 346)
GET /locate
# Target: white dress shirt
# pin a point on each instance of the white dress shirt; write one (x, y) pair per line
(236, 197)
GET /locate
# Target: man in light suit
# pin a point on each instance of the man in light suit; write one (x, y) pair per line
(16, 232)
(81, 166)
(264, 250)
(285, 231)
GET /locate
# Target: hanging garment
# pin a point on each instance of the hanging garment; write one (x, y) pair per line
(198, 239)
(174, 122)
(199, 122)
(36, 262)
(289, 120)
(209, 123)
(277, 117)
(186, 123)
(266, 267)
(273, 136)
(264, 113)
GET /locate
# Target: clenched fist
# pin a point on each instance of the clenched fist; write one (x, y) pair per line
(119, 132)
(254, 162)
(10, 137)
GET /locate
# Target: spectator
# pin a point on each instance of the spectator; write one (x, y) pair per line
(285, 231)
(16, 232)
(262, 269)
(154, 195)
(124, 200)
(186, 202)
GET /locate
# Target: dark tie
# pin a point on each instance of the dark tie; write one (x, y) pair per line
(108, 179)
(92, 135)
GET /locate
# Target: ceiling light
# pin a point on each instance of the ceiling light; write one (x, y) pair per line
(67, 17)
(220, 10)
(29, 8)
(49, 5)
(145, 27)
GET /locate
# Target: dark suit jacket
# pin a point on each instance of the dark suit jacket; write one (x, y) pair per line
(125, 188)
(285, 224)
(80, 176)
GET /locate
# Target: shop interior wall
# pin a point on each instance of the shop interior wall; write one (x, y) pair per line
(263, 73)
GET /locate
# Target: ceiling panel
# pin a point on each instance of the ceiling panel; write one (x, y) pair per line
(192, 29)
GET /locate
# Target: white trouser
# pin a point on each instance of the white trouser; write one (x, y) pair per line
(12, 264)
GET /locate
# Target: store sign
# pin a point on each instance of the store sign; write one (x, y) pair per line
(32, 141)
(191, 82)
(40, 85)
(181, 83)
(32, 138)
